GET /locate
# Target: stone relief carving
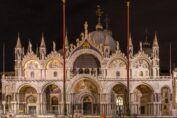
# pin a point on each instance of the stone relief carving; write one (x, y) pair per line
(140, 64)
(31, 99)
(117, 63)
(54, 64)
(32, 65)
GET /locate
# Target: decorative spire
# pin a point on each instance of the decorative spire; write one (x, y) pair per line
(37, 50)
(18, 45)
(130, 40)
(29, 46)
(99, 13)
(66, 40)
(130, 45)
(106, 42)
(146, 43)
(54, 46)
(141, 47)
(117, 45)
(42, 45)
(155, 42)
(86, 29)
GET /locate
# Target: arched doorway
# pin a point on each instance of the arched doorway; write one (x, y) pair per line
(143, 97)
(119, 99)
(52, 98)
(87, 105)
(86, 97)
(166, 100)
(28, 100)
(8, 103)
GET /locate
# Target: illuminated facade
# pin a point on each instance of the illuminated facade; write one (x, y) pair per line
(96, 79)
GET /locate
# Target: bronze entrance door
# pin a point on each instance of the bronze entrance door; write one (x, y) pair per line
(142, 110)
(54, 109)
(32, 110)
(87, 107)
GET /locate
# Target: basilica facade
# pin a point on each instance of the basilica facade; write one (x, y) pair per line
(96, 78)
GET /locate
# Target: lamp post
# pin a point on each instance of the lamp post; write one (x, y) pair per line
(64, 58)
(128, 58)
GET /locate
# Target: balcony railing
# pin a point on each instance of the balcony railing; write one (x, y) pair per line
(143, 78)
(95, 72)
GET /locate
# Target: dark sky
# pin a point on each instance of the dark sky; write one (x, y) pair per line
(32, 17)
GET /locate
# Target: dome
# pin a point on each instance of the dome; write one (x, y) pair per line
(103, 37)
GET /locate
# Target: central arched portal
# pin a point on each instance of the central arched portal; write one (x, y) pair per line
(86, 97)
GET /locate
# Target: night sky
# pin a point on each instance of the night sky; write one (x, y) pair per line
(32, 17)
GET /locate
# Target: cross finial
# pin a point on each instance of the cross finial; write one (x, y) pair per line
(86, 28)
(54, 46)
(141, 47)
(99, 13)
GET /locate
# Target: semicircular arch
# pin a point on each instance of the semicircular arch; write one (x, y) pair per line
(80, 52)
(48, 84)
(141, 61)
(31, 64)
(145, 84)
(120, 62)
(112, 85)
(53, 63)
(165, 86)
(26, 85)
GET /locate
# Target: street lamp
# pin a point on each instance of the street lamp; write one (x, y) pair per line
(119, 104)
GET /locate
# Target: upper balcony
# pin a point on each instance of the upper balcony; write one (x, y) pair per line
(95, 72)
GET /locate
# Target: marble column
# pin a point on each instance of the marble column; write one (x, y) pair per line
(4, 110)
(39, 104)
